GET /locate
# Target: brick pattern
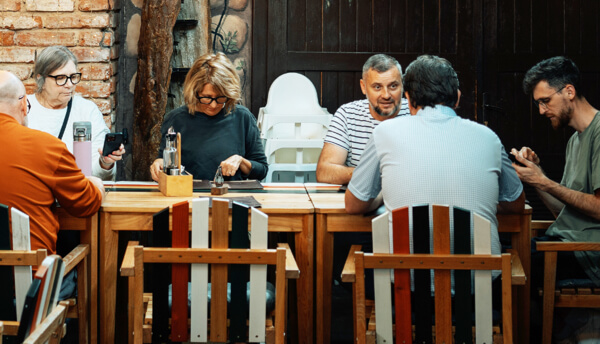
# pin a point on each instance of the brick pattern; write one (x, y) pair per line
(86, 27)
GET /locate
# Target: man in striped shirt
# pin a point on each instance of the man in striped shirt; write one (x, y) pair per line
(353, 123)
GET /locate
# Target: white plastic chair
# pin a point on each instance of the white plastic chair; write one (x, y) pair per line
(293, 126)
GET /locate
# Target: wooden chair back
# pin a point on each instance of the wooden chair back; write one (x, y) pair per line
(471, 252)
(578, 294)
(228, 261)
(16, 263)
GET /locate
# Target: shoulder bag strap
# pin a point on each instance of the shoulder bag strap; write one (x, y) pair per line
(62, 130)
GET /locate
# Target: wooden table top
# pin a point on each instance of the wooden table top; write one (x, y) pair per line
(285, 198)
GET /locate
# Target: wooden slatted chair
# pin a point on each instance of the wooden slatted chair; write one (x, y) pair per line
(16, 263)
(442, 262)
(564, 293)
(42, 317)
(227, 263)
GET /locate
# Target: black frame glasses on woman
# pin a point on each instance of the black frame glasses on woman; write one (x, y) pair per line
(208, 100)
(61, 80)
(28, 103)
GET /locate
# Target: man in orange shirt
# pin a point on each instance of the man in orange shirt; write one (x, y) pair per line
(37, 170)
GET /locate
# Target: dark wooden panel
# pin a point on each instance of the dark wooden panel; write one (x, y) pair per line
(297, 24)
(590, 23)
(330, 91)
(381, 26)
(431, 26)
(414, 26)
(522, 26)
(331, 26)
(505, 27)
(447, 26)
(572, 27)
(348, 28)
(555, 26)
(364, 36)
(398, 34)
(314, 25)
(259, 56)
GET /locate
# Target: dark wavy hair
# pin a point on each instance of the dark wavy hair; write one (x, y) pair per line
(557, 71)
(430, 80)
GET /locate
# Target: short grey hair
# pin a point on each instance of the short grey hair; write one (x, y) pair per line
(380, 63)
(49, 60)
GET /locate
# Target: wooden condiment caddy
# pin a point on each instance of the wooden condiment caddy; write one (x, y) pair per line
(176, 185)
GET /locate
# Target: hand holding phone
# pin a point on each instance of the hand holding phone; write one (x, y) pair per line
(112, 142)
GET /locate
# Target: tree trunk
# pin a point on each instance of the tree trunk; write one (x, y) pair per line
(152, 82)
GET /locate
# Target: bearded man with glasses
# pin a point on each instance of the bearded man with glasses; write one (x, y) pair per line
(55, 107)
(555, 85)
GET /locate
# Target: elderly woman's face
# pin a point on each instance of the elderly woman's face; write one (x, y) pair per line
(212, 109)
(60, 94)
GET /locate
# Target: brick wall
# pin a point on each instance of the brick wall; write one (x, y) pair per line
(86, 27)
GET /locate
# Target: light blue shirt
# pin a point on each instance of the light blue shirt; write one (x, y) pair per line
(437, 157)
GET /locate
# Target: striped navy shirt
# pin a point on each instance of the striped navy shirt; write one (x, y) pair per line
(352, 126)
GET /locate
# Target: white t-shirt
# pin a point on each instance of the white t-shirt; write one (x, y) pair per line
(50, 121)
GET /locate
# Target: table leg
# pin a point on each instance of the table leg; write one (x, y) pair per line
(523, 247)
(305, 259)
(108, 278)
(324, 279)
(90, 236)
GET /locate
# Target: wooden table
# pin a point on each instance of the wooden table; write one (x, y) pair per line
(331, 217)
(89, 235)
(289, 210)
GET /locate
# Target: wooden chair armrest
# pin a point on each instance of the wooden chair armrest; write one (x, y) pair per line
(53, 323)
(75, 257)
(128, 265)
(517, 271)
(541, 224)
(291, 267)
(348, 273)
(567, 246)
(11, 328)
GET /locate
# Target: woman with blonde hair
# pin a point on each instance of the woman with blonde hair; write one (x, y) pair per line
(215, 129)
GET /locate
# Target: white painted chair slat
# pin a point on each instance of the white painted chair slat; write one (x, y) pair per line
(21, 241)
(483, 282)
(258, 278)
(382, 280)
(199, 280)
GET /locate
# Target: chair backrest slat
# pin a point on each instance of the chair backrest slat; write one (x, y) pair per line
(239, 275)
(402, 304)
(258, 279)
(21, 241)
(482, 243)
(442, 280)
(422, 278)
(180, 273)
(7, 308)
(462, 278)
(383, 280)
(199, 314)
(161, 237)
(218, 298)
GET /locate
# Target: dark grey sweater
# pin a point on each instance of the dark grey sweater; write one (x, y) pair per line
(208, 140)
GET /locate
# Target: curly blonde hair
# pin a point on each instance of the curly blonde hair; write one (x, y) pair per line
(217, 70)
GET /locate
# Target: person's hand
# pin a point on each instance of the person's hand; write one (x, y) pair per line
(527, 153)
(155, 169)
(528, 168)
(97, 182)
(230, 165)
(107, 161)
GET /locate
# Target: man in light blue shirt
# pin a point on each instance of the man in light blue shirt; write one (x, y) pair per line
(434, 156)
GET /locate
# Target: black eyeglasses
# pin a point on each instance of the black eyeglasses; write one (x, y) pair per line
(209, 100)
(543, 102)
(62, 79)
(28, 103)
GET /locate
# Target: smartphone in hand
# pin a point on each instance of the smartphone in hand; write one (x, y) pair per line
(112, 142)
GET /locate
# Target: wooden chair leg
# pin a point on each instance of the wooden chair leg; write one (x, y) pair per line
(548, 297)
(82, 301)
